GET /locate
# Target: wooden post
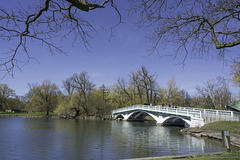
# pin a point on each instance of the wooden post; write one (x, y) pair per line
(226, 139)
(223, 138)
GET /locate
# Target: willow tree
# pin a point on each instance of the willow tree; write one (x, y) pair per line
(41, 22)
(44, 97)
(195, 26)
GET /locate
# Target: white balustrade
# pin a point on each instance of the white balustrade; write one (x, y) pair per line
(184, 111)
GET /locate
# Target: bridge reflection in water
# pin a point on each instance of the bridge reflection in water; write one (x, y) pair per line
(183, 116)
(167, 140)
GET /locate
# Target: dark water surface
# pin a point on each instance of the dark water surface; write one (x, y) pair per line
(35, 138)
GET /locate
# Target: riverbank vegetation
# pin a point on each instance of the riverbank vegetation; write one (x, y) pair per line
(81, 98)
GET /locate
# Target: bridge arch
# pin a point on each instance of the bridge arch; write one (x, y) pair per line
(176, 120)
(141, 112)
(119, 116)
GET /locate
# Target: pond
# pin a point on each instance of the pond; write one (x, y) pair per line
(38, 138)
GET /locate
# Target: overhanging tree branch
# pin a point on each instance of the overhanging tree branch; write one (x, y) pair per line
(203, 24)
(43, 23)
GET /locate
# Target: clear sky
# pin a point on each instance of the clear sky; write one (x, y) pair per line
(107, 60)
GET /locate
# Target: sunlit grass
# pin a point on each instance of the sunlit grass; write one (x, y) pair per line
(216, 127)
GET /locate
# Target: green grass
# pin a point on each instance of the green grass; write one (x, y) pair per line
(26, 114)
(222, 156)
(216, 127)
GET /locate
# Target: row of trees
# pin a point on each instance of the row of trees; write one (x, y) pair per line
(81, 97)
(142, 87)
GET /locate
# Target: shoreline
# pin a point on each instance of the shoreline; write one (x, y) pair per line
(53, 116)
(199, 133)
(188, 156)
(176, 156)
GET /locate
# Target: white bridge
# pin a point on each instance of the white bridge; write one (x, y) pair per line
(184, 116)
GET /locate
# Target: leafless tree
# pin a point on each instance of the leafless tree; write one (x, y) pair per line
(141, 87)
(41, 24)
(148, 83)
(186, 101)
(135, 81)
(190, 26)
(68, 86)
(83, 88)
(145, 84)
(215, 93)
(124, 87)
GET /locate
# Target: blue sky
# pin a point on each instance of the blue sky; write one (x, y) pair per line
(107, 60)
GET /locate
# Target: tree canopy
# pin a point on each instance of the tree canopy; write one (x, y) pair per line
(191, 27)
(5, 94)
(43, 97)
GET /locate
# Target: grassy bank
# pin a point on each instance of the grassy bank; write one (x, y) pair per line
(216, 127)
(213, 130)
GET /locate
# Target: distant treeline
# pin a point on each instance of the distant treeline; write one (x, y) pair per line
(81, 97)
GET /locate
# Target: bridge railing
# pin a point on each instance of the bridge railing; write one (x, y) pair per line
(213, 112)
(217, 113)
(184, 111)
(169, 110)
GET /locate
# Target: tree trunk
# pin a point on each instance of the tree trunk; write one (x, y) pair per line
(47, 113)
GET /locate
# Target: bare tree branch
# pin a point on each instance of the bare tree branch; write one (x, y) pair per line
(190, 25)
(43, 24)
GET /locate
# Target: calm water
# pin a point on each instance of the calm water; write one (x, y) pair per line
(33, 138)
